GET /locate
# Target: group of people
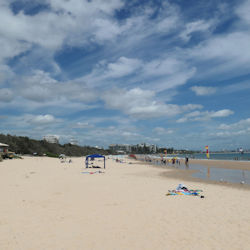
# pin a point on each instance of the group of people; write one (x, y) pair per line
(174, 160)
(166, 161)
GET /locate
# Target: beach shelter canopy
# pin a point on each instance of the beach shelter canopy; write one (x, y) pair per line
(93, 157)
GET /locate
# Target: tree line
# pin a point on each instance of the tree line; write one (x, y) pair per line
(25, 145)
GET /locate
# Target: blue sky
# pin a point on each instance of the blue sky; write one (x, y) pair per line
(171, 73)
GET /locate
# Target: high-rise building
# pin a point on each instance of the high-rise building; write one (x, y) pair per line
(120, 148)
(126, 148)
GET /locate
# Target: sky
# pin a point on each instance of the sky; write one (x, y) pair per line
(173, 73)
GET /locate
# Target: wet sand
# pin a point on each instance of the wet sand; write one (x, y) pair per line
(51, 205)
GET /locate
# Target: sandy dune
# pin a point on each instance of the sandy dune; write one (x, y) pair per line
(46, 204)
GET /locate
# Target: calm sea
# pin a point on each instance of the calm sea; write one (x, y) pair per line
(221, 156)
(211, 173)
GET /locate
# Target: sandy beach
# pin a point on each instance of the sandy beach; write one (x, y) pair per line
(47, 204)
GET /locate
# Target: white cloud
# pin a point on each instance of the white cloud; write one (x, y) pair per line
(182, 120)
(6, 95)
(166, 73)
(202, 91)
(123, 67)
(163, 67)
(22, 27)
(141, 104)
(230, 133)
(160, 74)
(78, 7)
(221, 113)
(242, 124)
(188, 107)
(72, 22)
(5, 74)
(140, 26)
(229, 53)
(167, 24)
(41, 87)
(197, 26)
(129, 134)
(243, 11)
(82, 125)
(163, 131)
(193, 114)
(106, 30)
(31, 123)
(224, 47)
(205, 115)
(41, 119)
(11, 47)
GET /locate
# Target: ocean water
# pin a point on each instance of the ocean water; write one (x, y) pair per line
(223, 175)
(217, 174)
(210, 173)
(219, 156)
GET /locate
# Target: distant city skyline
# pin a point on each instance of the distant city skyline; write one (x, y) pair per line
(170, 73)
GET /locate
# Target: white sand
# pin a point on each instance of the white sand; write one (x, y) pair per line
(46, 204)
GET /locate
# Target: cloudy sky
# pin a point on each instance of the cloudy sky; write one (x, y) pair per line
(172, 73)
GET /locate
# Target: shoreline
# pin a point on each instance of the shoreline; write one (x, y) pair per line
(186, 175)
(173, 172)
(226, 164)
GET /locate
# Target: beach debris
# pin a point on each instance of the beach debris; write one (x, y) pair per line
(93, 166)
(95, 172)
(183, 190)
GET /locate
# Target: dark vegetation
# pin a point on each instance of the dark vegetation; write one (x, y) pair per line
(25, 145)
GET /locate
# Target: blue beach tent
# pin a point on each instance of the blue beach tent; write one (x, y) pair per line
(92, 157)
